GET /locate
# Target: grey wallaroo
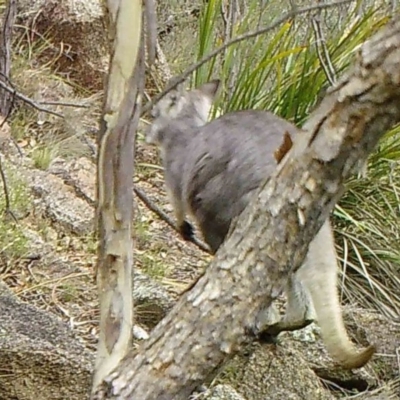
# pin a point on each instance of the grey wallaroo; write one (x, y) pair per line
(211, 171)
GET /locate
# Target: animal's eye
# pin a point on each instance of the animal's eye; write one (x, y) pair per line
(173, 99)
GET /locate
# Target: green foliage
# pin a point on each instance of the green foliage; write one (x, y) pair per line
(282, 72)
(43, 156)
(368, 219)
(279, 71)
(13, 242)
(150, 261)
(152, 266)
(18, 191)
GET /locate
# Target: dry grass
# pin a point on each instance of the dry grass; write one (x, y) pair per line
(44, 136)
(57, 273)
(368, 219)
(54, 270)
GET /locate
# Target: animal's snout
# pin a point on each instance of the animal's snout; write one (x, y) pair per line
(150, 134)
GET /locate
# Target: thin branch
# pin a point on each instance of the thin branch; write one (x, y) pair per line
(5, 51)
(286, 17)
(322, 51)
(5, 187)
(64, 104)
(11, 108)
(6, 192)
(28, 100)
(157, 210)
(7, 210)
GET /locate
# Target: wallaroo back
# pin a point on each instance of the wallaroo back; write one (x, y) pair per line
(211, 171)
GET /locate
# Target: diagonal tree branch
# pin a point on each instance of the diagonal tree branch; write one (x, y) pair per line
(271, 237)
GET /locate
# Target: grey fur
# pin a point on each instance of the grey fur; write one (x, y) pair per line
(212, 170)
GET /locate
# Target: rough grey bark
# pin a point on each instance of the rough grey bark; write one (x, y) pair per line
(272, 235)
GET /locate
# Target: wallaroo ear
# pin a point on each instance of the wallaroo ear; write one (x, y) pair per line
(179, 88)
(210, 89)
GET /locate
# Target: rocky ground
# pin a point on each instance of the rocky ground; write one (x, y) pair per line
(53, 280)
(48, 298)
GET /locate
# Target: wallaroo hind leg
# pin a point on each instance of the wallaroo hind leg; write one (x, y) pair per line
(299, 313)
(312, 292)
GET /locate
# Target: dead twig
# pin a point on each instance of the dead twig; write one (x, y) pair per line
(295, 11)
(6, 193)
(28, 100)
(64, 104)
(322, 51)
(153, 207)
(5, 51)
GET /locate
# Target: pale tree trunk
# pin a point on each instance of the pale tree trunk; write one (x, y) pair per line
(115, 184)
(271, 237)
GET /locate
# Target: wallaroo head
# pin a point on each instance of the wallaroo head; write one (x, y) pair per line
(189, 107)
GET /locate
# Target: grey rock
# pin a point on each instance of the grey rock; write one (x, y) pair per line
(220, 392)
(39, 357)
(273, 372)
(59, 202)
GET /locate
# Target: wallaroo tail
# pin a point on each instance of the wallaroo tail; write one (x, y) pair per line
(212, 170)
(321, 282)
(339, 346)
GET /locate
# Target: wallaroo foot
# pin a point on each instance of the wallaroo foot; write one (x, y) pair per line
(186, 230)
(272, 331)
